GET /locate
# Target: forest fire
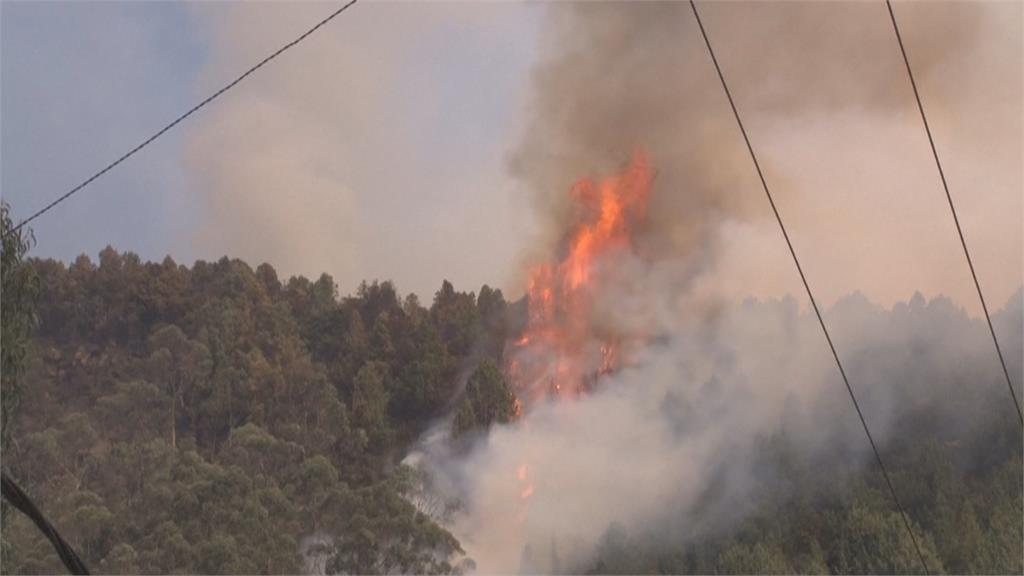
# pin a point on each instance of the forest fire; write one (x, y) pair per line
(561, 353)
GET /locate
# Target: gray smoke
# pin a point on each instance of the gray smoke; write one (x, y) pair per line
(674, 436)
(620, 76)
(825, 98)
(714, 377)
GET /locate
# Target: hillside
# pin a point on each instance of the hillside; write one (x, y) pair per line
(206, 419)
(215, 419)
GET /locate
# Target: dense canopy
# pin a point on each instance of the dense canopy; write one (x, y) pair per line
(213, 419)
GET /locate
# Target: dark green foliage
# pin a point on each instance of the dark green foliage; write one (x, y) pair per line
(876, 542)
(369, 404)
(209, 419)
(756, 558)
(813, 520)
(18, 290)
(488, 400)
(465, 419)
(383, 533)
(213, 419)
(457, 318)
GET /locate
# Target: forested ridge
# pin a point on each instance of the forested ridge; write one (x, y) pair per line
(207, 419)
(216, 419)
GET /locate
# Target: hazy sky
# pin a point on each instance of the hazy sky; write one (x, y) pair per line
(379, 147)
(373, 150)
(80, 83)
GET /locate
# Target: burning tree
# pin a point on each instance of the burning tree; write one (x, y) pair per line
(561, 353)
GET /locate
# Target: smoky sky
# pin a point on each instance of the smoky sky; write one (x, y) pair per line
(830, 111)
(422, 141)
(672, 438)
(372, 151)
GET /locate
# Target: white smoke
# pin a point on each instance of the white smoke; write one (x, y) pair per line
(671, 437)
(685, 418)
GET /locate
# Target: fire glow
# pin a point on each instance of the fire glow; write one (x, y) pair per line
(561, 353)
(522, 474)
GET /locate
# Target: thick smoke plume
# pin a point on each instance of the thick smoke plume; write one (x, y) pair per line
(617, 76)
(673, 439)
(623, 75)
(372, 150)
(670, 436)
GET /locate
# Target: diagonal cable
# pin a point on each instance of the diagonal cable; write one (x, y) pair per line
(179, 119)
(807, 287)
(952, 210)
(17, 497)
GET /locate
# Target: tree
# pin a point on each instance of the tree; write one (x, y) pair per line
(487, 400)
(213, 416)
(18, 292)
(180, 363)
(370, 402)
(493, 311)
(490, 394)
(268, 276)
(19, 289)
(380, 340)
(457, 319)
(876, 542)
(383, 534)
(122, 559)
(465, 419)
(755, 558)
(305, 403)
(316, 482)
(128, 411)
(375, 299)
(491, 304)
(424, 380)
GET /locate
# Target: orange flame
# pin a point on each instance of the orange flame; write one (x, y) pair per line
(522, 474)
(559, 354)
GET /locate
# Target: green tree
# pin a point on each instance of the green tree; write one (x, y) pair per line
(457, 319)
(18, 290)
(465, 419)
(180, 363)
(755, 558)
(876, 542)
(122, 559)
(370, 402)
(128, 411)
(425, 377)
(490, 394)
(488, 400)
(382, 533)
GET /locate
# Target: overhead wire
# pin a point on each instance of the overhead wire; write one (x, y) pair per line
(17, 497)
(180, 119)
(11, 491)
(807, 287)
(952, 210)
(14, 494)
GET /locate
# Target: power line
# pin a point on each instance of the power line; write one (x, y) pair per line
(17, 497)
(952, 210)
(179, 119)
(807, 287)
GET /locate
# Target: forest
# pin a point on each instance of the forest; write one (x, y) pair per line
(219, 419)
